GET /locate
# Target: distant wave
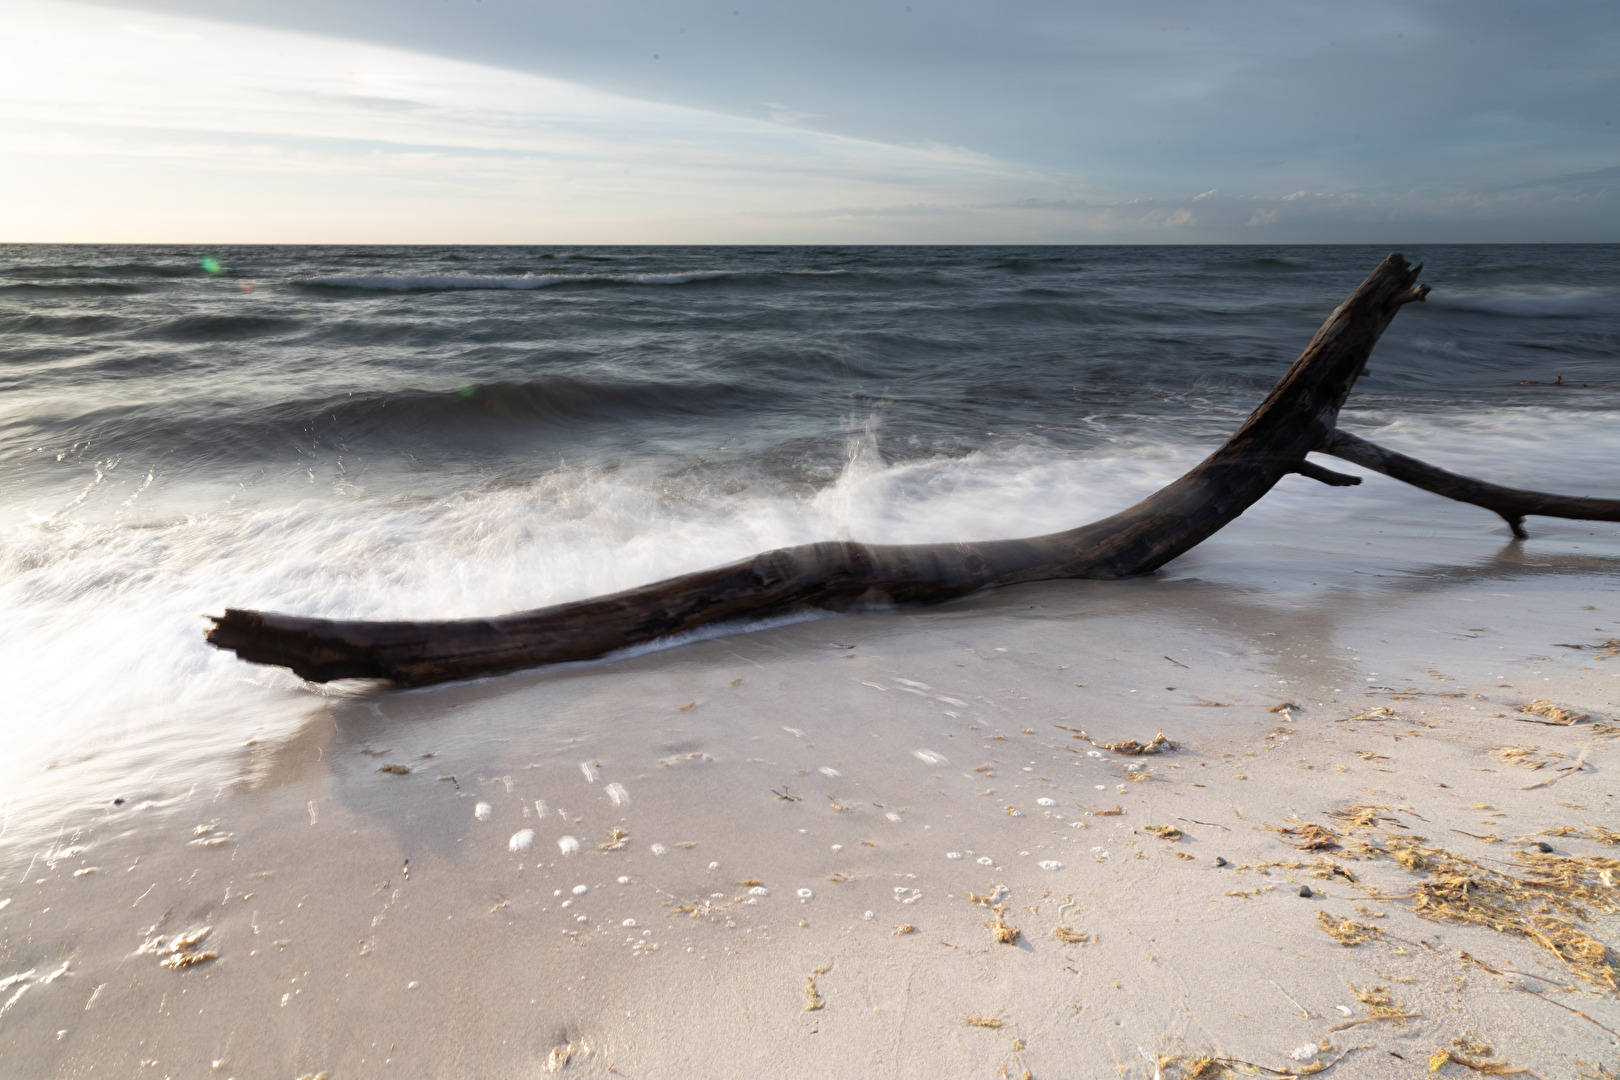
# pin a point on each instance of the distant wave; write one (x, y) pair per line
(526, 281)
(1533, 302)
(436, 282)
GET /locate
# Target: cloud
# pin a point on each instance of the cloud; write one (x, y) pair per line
(402, 120)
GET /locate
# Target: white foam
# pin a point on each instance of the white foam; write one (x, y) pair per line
(1532, 301)
(522, 840)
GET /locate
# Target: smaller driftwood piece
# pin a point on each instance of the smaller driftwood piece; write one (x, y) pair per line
(1298, 417)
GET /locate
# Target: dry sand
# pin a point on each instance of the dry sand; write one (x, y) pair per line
(791, 799)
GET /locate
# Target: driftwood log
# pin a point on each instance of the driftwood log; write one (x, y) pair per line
(1298, 417)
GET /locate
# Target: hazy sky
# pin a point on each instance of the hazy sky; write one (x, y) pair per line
(672, 121)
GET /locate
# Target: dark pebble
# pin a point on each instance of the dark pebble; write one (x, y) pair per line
(118, 802)
(1305, 891)
(1543, 847)
(1219, 861)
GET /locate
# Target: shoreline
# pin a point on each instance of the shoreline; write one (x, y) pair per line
(901, 738)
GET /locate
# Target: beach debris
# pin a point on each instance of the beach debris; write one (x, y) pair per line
(1456, 1055)
(1569, 770)
(903, 895)
(1380, 712)
(617, 794)
(1552, 714)
(993, 1023)
(1307, 836)
(1220, 860)
(1285, 706)
(995, 896)
(180, 951)
(903, 929)
(1043, 801)
(1522, 755)
(784, 796)
(805, 894)
(483, 811)
(1381, 1005)
(813, 1002)
(1115, 812)
(953, 855)
(560, 1056)
(1305, 891)
(568, 845)
(617, 839)
(395, 770)
(1163, 832)
(1050, 864)
(930, 757)
(185, 959)
(1345, 931)
(1006, 935)
(1131, 748)
(1069, 936)
(522, 840)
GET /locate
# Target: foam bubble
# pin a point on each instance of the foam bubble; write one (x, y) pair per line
(522, 840)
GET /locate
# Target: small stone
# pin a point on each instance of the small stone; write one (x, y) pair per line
(1220, 861)
(1305, 891)
(1543, 847)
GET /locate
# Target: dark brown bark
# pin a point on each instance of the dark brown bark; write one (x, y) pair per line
(1513, 504)
(1299, 416)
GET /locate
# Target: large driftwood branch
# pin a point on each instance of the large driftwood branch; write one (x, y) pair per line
(1299, 416)
(1512, 504)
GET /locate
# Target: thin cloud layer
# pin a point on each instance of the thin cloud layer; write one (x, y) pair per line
(627, 121)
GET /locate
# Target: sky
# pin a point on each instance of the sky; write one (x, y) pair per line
(820, 121)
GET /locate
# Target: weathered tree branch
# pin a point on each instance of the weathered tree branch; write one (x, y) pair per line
(1298, 416)
(1512, 504)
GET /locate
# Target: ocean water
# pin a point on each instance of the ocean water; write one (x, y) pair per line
(444, 432)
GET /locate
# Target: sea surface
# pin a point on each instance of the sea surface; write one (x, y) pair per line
(441, 432)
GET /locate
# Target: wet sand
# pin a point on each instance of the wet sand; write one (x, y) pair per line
(766, 813)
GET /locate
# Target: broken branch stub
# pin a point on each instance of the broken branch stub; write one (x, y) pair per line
(1298, 416)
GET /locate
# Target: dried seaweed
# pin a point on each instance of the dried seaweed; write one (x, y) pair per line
(992, 1022)
(1544, 904)
(616, 840)
(1068, 936)
(1131, 748)
(1555, 715)
(1364, 816)
(1381, 712)
(1307, 836)
(903, 929)
(1443, 1057)
(1345, 931)
(1115, 812)
(1163, 832)
(813, 1002)
(1006, 935)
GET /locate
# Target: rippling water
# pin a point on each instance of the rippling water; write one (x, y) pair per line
(453, 431)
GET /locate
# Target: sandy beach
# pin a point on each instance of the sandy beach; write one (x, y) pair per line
(804, 850)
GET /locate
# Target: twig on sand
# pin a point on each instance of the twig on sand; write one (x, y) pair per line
(1209, 823)
(1293, 1072)
(1375, 1019)
(1580, 762)
(1303, 1011)
(1467, 959)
